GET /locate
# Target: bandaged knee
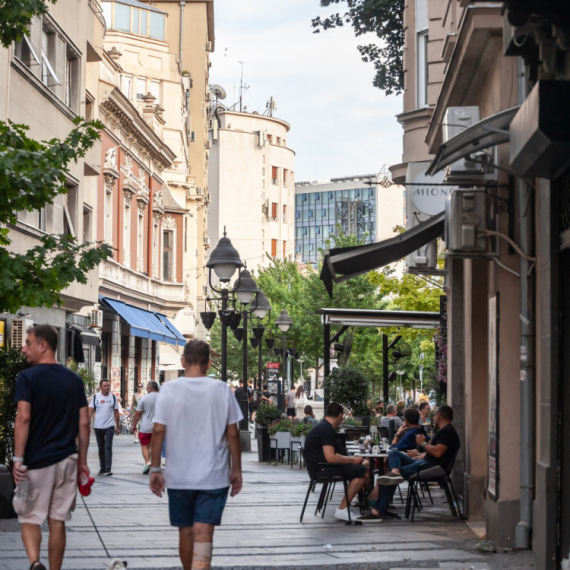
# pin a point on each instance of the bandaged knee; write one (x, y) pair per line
(202, 556)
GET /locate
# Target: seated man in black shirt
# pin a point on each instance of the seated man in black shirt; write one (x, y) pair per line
(320, 448)
(440, 451)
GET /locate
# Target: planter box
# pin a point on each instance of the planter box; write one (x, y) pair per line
(300, 440)
(283, 439)
(262, 444)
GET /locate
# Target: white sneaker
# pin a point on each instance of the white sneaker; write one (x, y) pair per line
(341, 514)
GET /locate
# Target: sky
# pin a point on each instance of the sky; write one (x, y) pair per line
(341, 125)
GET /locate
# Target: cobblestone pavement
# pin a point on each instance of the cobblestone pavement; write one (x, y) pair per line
(260, 529)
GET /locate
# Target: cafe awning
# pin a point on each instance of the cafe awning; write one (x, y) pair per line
(379, 318)
(489, 132)
(344, 263)
(145, 324)
(87, 335)
(169, 359)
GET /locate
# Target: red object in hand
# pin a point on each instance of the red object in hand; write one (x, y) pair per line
(85, 484)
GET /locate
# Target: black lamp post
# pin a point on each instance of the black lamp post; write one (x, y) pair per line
(245, 293)
(224, 260)
(284, 323)
(261, 311)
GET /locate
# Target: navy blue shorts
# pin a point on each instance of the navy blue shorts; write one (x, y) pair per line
(187, 507)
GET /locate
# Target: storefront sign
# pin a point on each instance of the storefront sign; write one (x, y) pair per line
(428, 197)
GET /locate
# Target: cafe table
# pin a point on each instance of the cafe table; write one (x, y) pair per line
(371, 457)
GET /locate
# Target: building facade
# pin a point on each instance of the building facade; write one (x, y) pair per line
(252, 188)
(50, 79)
(356, 206)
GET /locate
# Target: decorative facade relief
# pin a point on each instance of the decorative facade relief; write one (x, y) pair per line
(111, 158)
(157, 204)
(169, 223)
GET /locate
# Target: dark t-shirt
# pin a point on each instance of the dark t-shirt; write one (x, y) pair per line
(56, 395)
(256, 398)
(321, 434)
(238, 394)
(408, 440)
(448, 437)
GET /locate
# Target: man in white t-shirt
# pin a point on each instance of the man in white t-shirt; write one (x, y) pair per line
(105, 406)
(199, 417)
(145, 413)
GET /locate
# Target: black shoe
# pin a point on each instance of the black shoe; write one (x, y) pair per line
(108, 472)
(391, 515)
(390, 478)
(102, 472)
(370, 518)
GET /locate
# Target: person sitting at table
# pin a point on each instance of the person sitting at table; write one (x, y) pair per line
(379, 408)
(391, 416)
(424, 414)
(309, 416)
(440, 451)
(405, 437)
(320, 448)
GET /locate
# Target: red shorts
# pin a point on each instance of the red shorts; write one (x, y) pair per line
(145, 438)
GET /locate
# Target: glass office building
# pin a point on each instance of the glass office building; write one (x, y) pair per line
(317, 215)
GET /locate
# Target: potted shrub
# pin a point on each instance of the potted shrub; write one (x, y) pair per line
(349, 387)
(299, 432)
(264, 417)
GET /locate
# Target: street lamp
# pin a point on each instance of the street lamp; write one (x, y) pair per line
(224, 261)
(261, 311)
(284, 323)
(245, 293)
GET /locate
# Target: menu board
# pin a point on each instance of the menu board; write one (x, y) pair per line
(273, 381)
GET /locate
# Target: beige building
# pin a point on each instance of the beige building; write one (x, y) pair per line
(50, 79)
(252, 186)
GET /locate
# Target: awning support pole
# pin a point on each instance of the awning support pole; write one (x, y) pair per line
(326, 356)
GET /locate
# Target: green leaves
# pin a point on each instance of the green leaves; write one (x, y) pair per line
(15, 17)
(383, 18)
(349, 388)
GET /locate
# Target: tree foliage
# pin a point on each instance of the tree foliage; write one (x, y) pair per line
(15, 17)
(32, 174)
(349, 388)
(385, 19)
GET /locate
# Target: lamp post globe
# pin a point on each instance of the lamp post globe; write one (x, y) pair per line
(224, 260)
(262, 306)
(247, 288)
(284, 321)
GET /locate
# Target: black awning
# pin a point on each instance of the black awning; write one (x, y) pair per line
(345, 263)
(488, 132)
(87, 335)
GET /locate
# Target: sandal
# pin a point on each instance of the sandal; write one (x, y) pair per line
(37, 565)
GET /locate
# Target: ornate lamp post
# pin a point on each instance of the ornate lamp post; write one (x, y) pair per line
(284, 323)
(262, 312)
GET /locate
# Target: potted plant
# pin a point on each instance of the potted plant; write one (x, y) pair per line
(299, 432)
(349, 387)
(264, 417)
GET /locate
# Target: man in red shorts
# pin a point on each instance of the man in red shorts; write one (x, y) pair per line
(52, 414)
(145, 413)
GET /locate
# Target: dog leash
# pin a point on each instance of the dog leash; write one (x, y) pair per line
(95, 526)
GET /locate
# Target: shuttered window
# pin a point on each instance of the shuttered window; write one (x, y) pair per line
(422, 22)
(274, 210)
(273, 248)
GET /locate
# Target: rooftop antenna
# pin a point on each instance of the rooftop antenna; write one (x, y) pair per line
(242, 87)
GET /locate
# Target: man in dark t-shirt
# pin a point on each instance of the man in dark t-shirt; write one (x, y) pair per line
(52, 414)
(320, 449)
(440, 451)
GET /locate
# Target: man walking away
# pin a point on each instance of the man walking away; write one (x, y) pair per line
(52, 415)
(106, 409)
(198, 476)
(145, 410)
(241, 394)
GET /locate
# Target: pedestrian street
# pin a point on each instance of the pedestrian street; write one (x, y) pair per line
(260, 528)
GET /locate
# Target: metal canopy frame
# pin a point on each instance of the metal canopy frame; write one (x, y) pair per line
(491, 131)
(346, 318)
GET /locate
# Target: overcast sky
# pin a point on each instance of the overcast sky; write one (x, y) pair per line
(340, 124)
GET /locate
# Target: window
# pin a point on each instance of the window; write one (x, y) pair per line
(284, 177)
(49, 78)
(156, 26)
(297, 214)
(273, 248)
(274, 175)
(140, 242)
(284, 249)
(274, 210)
(155, 91)
(141, 88)
(70, 211)
(144, 22)
(122, 18)
(167, 258)
(284, 220)
(126, 233)
(422, 69)
(155, 238)
(87, 217)
(279, 140)
(269, 138)
(25, 52)
(136, 21)
(126, 85)
(185, 234)
(71, 87)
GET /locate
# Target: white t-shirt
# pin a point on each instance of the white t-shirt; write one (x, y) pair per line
(146, 406)
(196, 413)
(104, 406)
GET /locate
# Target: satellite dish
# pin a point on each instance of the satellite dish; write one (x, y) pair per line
(218, 91)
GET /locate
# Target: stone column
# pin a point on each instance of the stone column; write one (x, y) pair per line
(144, 360)
(115, 371)
(131, 371)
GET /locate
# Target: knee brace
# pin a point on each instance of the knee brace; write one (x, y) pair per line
(202, 556)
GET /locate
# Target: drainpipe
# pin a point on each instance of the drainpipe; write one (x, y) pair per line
(523, 532)
(181, 50)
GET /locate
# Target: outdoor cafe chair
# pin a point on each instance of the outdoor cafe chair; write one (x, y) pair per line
(326, 481)
(432, 474)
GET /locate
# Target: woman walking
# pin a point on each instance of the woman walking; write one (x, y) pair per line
(300, 402)
(134, 403)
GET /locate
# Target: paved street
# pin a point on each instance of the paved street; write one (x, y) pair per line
(260, 529)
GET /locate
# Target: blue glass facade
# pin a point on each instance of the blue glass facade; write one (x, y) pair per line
(317, 215)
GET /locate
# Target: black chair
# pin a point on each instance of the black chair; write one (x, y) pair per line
(383, 432)
(325, 480)
(432, 474)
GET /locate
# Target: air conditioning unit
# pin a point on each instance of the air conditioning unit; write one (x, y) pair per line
(466, 215)
(208, 145)
(96, 318)
(19, 331)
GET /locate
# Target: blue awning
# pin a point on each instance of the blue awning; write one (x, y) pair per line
(145, 324)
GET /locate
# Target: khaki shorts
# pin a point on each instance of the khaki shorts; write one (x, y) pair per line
(51, 493)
